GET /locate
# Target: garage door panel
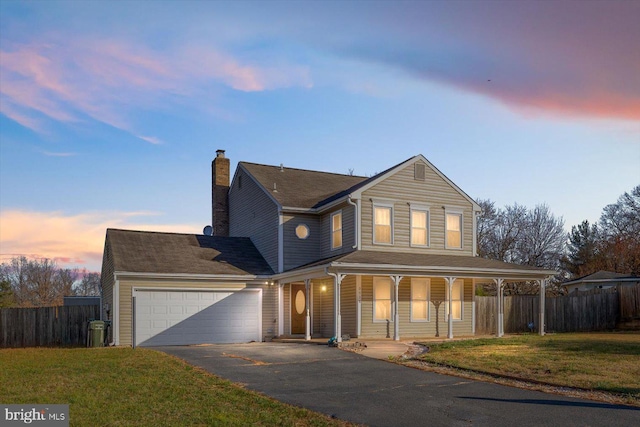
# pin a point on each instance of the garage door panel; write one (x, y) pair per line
(181, 318)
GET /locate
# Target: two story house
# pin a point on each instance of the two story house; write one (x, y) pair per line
(307, 254)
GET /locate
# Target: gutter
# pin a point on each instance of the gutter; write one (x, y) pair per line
(229, 277)
(356, 221)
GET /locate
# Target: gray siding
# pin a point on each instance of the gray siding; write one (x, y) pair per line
(401, 189)
(348, 231)
(297, 251)
(253, 214)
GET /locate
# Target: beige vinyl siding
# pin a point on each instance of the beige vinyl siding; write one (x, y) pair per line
(417, 329)
(401, 189)
(348, 231)
(298, 251)
(348, 306)
(322, 309)
(269, 309)
(252, 213)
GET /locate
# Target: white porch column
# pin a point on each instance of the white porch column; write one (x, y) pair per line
(337, 316)
(499, 308)
(307, 329)
(449, 281)
(542, 307)
(280, 309)
(396, 309)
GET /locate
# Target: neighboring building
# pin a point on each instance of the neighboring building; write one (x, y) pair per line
(75, 300)
(601, 280)
(309, 254)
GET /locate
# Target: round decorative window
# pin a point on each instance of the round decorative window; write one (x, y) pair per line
(302, 231)
(300, 302)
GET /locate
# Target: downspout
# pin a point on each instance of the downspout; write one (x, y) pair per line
(356, 221)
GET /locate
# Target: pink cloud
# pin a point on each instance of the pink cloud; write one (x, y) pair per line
(70, 240)
(69, 81)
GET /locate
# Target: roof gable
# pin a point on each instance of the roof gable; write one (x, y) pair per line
(173, 253)
(391, 171)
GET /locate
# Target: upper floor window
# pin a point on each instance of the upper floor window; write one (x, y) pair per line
(382, 299)
(419, 299)
(382, 227)
(419, 227)
(456, 300)
(336, 230)
(453, 236)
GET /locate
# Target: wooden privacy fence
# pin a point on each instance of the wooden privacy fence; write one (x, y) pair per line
(46, 326)
(595, 310)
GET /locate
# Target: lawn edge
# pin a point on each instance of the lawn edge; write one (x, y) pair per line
(523, 383)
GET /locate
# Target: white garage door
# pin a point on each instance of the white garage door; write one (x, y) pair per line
(196, 317)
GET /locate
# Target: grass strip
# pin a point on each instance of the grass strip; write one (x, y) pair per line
(123, 387)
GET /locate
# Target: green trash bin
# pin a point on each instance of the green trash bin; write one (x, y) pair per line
(96, 333)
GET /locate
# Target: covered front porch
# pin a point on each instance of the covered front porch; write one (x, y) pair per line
(382, 301)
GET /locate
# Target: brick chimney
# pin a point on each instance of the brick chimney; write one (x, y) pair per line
(220, 194)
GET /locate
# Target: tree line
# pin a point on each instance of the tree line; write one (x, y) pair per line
(537, 238)
(40, 282)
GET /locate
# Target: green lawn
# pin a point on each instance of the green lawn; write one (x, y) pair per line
(607, 362)
(124, 387)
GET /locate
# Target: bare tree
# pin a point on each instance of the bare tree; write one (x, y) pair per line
(620, 228)
(519, 235)
(37, 282)
(6, 294)
(89, 285)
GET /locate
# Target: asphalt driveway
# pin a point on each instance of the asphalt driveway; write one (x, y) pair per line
(377, 393)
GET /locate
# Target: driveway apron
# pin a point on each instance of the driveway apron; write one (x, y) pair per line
(355, 388)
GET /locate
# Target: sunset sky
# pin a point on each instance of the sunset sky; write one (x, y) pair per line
(111, 112)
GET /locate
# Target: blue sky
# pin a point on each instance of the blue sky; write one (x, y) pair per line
(111, 112)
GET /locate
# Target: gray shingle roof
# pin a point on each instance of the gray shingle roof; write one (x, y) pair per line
(173, 253)
(601, 276)
(427, 261)
(302, 188)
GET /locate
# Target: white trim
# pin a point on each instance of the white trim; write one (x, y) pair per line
(475, 232)
(426, 210)
(382, 205)
(428, 301)
(447, 212)
(139, 288)
(116, 311)
(437, 271)
(179, 276)
(356, 223)
(359, 305)
(280, 309)
(331, 230)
